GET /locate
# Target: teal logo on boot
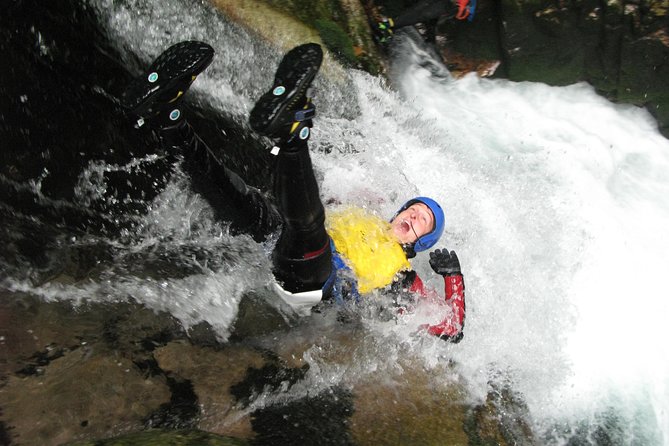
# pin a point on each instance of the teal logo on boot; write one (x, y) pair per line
(153, 77)
(304, 133)
(174, 114)
(278, 91)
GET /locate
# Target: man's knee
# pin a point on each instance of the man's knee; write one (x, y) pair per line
(308, 273)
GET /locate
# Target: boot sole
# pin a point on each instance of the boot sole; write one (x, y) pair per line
(293, 77)
(168, 77)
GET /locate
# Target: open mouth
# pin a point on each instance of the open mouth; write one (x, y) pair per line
(402, 230)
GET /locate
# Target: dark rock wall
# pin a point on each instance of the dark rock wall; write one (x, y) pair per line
(620, 47)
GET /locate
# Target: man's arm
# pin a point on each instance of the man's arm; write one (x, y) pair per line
(447, 265)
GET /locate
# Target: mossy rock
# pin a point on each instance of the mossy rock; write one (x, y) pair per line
(341, 25)
(336, 40)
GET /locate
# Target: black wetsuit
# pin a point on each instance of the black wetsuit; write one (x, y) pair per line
(302, 256)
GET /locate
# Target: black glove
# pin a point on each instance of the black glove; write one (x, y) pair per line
(445, 263)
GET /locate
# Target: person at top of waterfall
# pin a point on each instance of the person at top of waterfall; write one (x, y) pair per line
(350, 255)
(424, 11)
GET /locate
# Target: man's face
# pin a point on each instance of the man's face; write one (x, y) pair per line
(412, 223)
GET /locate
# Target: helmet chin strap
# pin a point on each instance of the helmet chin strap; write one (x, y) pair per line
(414, 232)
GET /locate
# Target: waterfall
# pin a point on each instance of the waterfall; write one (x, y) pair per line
(555, 202)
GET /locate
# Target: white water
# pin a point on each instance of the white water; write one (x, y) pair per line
(556, 203)
(558, 200)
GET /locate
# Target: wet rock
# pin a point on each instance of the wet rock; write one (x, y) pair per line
(340, 25)
(114, 369)
(166, 438)
(212, 372)
(181, 412)
(501, 420)
(33, 332)
(271, 377)
(237, 384)
(460, 65)
(86, 363)
(255, 317)
(83, 394)
(37, 331)
(321, 419)
(408, 408)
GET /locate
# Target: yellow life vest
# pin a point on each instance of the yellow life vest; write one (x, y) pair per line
(368, 247)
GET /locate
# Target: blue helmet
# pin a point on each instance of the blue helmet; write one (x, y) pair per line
(428, 240)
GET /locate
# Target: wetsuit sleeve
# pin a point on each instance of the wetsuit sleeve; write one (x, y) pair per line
(451, 327)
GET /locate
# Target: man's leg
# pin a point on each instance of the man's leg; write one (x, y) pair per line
(155, 99)
(247, 209)
(302, 257)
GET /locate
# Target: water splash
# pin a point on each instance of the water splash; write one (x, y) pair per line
(556, 200)
(176, 258)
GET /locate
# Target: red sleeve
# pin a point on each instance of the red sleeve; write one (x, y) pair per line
(451, 327)
(417, 286)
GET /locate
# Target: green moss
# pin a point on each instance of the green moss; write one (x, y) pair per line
(336, 40)
(660, 8)
(342, 27)
(310, 11)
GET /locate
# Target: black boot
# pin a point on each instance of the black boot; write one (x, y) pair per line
(154, 97)
(285, 111)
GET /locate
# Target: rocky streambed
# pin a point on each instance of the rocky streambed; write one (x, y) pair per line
(128, 375)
